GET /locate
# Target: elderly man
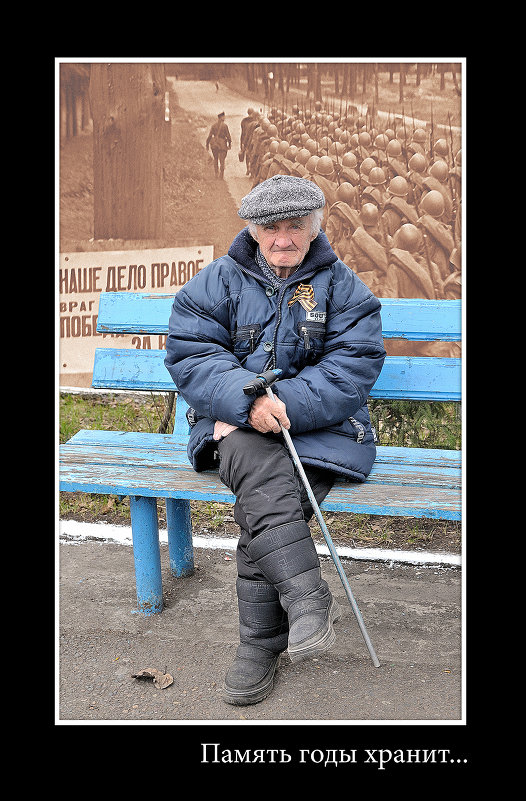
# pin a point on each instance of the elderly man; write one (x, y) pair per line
(281, 298)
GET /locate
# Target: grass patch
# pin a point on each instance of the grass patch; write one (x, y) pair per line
(109, 413)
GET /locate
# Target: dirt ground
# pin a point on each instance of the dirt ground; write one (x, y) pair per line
(194, 200)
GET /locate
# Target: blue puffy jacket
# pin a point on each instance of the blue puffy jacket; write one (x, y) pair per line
(228, 325)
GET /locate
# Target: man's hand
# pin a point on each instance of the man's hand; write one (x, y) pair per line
(221, 430)
(266, 415)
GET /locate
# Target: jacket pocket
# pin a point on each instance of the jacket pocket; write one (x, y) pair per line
(245, 338)
(312, 334)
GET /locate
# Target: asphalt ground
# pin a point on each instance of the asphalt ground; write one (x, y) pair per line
(413, 615)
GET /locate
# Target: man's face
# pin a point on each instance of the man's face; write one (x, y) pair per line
(285, 243)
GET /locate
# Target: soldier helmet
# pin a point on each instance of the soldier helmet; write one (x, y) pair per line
(367, 165)
(417, 162)
(439, 170)
(354, 141)
(407, 237)
(389, 133)
(381, 141)
(346, 192)
(369, 214)
(376, 176)
(325, 166)
(312, 146)
(272, 130)
(325, 142)
(303, 155)
(364, 139)
(273, 146)
(336, 148)
(419, 135)
(349, 160)
(283, 146)
(311, 163)
(344, 137)
(291, 152)
(398, 186)
(440, 147)
(394, 148)
(432, 203)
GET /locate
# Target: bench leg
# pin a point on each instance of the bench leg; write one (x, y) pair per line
(146, 553)
(180, 547)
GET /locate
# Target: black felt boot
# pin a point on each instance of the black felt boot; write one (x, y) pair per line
(263, 636)
(287, 557)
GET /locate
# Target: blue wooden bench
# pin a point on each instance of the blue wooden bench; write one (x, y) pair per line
(409, 482)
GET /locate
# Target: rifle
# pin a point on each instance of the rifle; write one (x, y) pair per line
(405, 141)
(432, 135)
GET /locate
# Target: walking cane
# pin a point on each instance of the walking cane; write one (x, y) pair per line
(264, 381)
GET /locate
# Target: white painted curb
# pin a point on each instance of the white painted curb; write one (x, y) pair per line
(74, 532)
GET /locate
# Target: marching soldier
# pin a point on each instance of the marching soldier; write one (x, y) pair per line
(220, 142)
(247, 126)
(417, 172)
(342, 220)
(396, 210)
(393, 164)
(375, 191)
(367, 254)
(326, 178)
(438, 179)
(408, 274)
(438, 239)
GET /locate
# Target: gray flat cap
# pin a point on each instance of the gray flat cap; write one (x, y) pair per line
(279, 198)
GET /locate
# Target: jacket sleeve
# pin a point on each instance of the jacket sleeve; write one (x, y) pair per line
(337, 386)
(199, 353)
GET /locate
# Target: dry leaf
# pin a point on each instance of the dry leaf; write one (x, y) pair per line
(161, 680)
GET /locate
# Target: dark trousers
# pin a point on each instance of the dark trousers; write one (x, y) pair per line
(259, 470)
(219, 160)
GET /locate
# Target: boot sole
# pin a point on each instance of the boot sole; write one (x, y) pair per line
(246, 698)
(311, 648)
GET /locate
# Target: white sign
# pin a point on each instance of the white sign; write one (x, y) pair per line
(83, 276)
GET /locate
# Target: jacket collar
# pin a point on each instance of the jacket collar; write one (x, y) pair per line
(320, 254)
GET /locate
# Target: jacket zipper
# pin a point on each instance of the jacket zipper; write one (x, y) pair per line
(305, 330)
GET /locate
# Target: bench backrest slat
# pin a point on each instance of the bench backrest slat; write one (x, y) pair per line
(402, 377)
(409, 377)
(406, 318)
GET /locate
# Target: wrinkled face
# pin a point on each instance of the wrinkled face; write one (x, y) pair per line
(285, 243)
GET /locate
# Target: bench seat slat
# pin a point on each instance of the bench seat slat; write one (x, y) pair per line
(434, 458)
(367, 498)
(156, 465)
(140, 459)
